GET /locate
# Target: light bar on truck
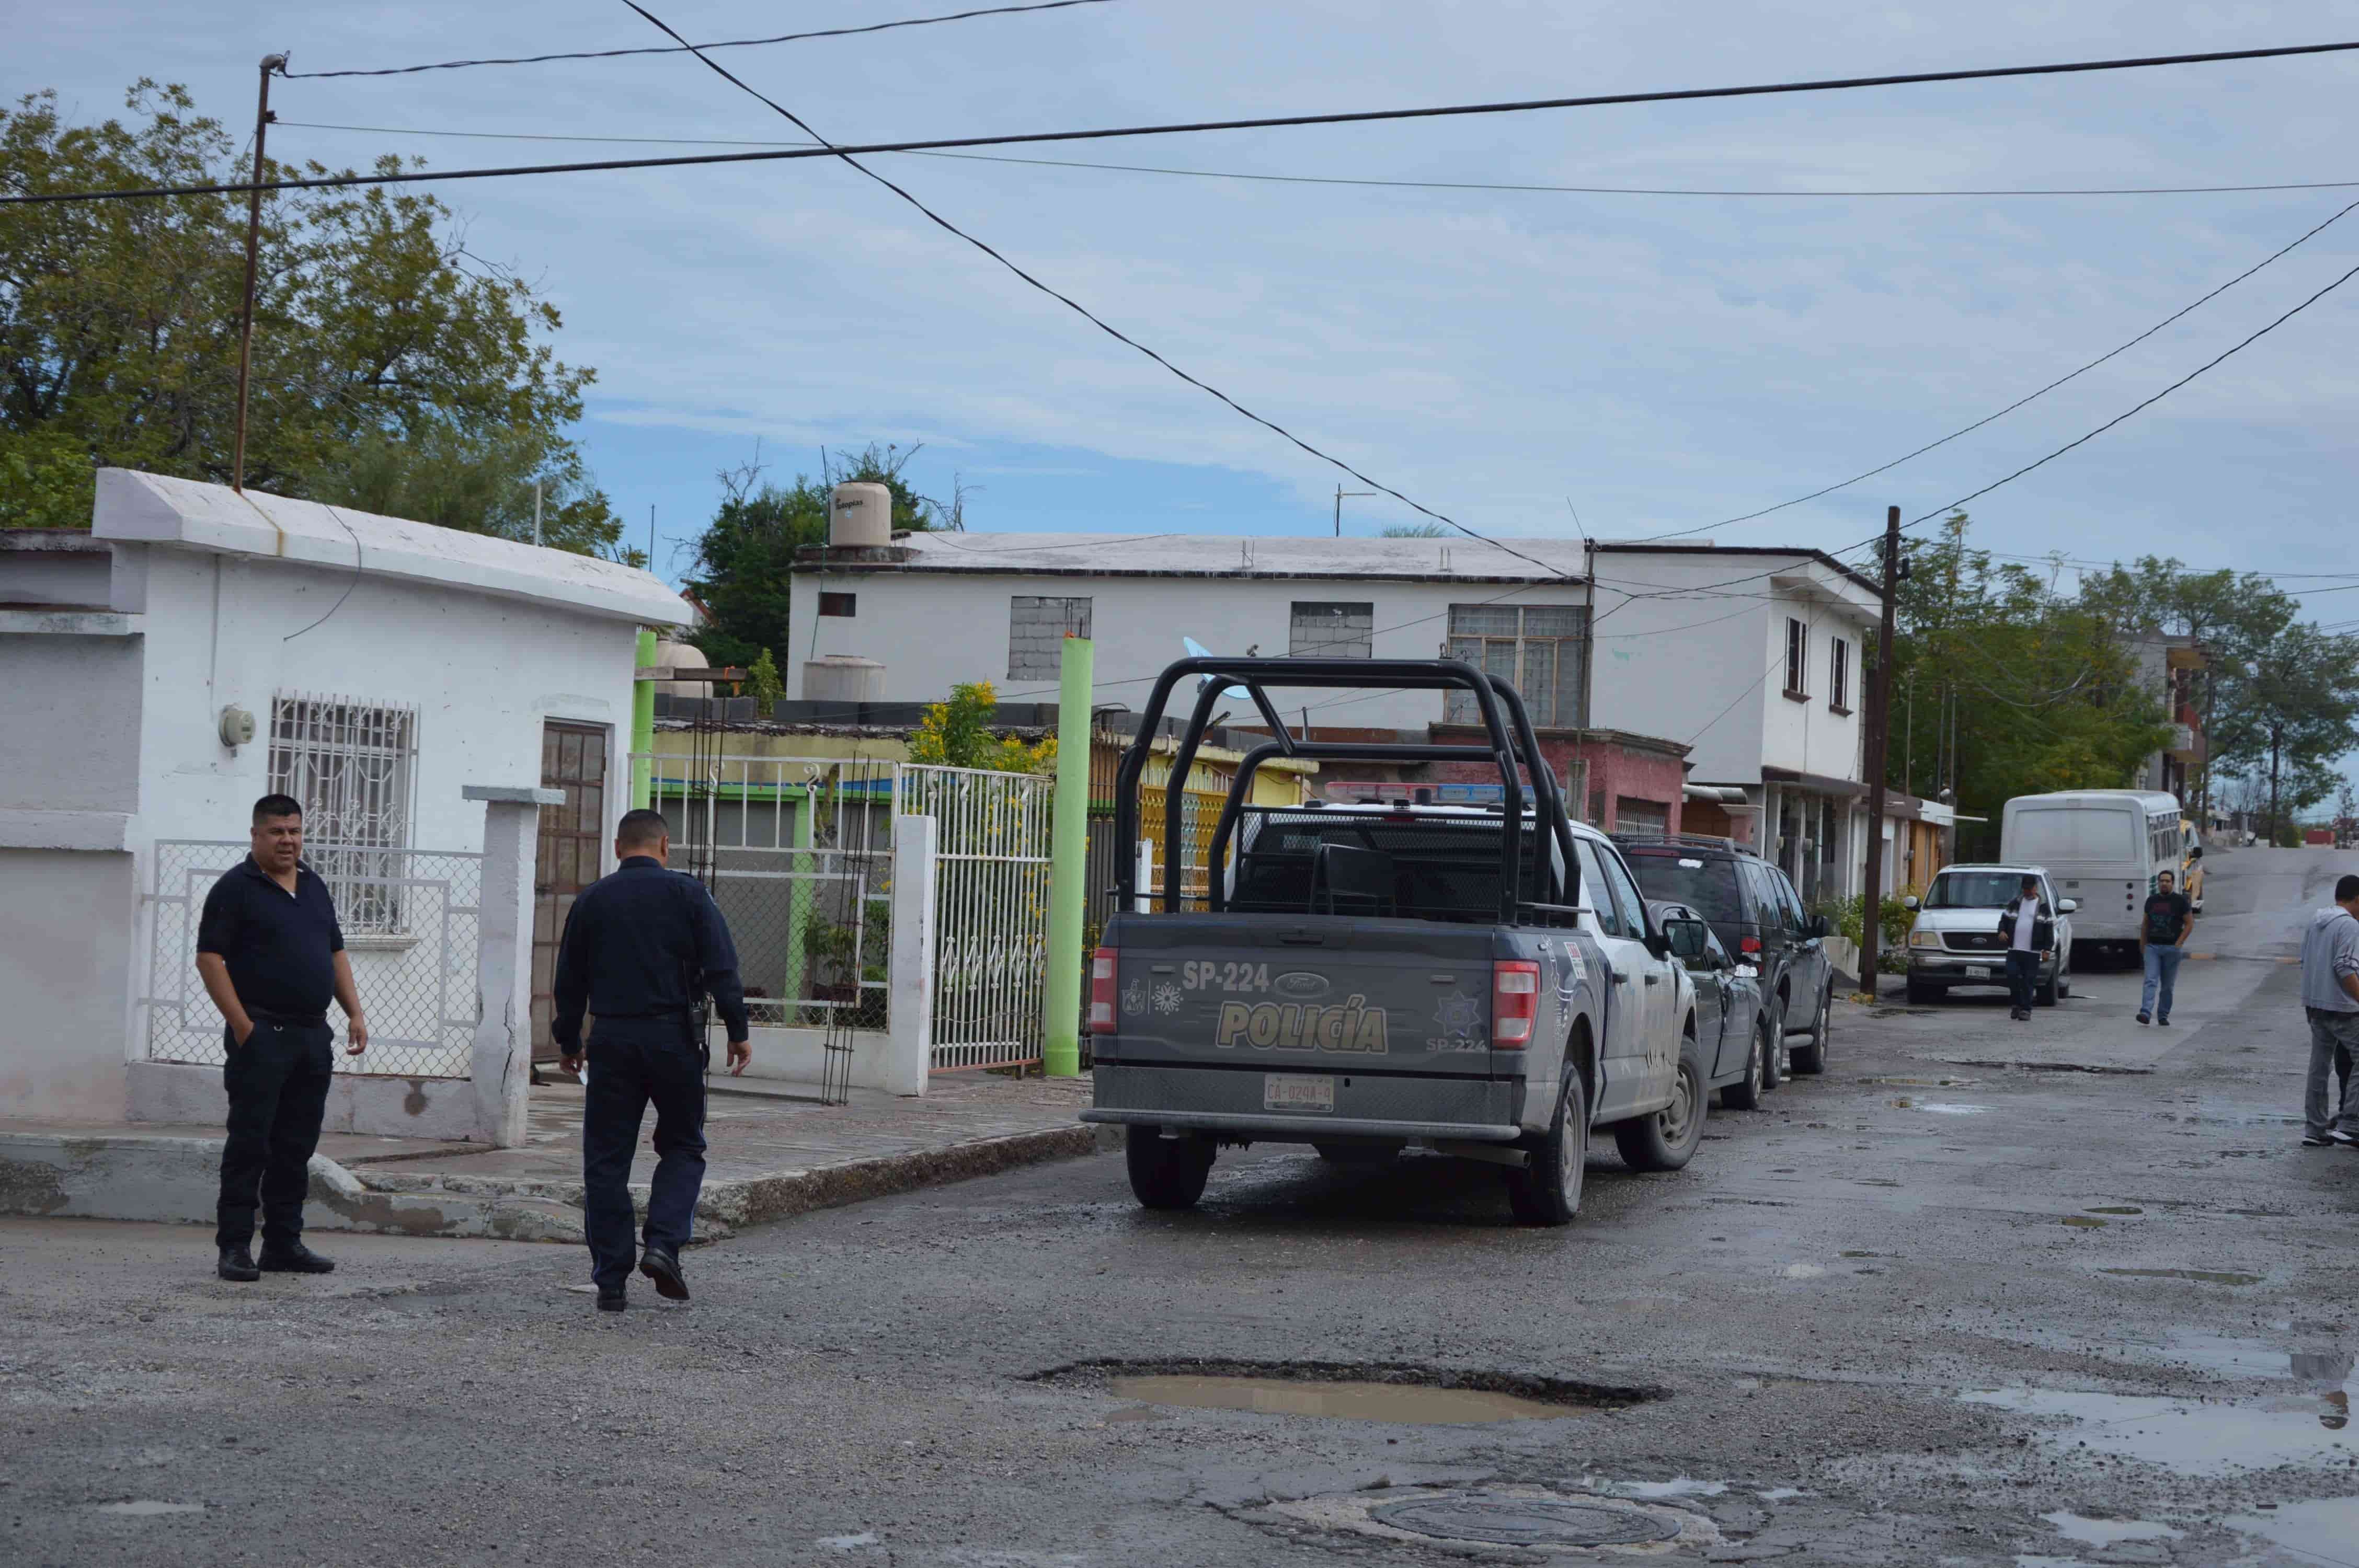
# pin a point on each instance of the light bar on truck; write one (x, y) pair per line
(1515, 1003)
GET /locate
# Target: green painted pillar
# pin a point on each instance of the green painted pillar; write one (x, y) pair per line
(643, 727)
(800, 893)
(1069, 863)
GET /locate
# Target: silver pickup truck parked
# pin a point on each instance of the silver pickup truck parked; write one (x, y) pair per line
(1481, 983)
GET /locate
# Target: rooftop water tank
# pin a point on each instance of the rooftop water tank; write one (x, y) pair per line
(671, 655)
(860, 515)
(843, 678)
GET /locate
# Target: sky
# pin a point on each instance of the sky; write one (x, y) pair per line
(1528, 362)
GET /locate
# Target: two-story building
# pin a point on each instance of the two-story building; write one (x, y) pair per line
(1707, 689)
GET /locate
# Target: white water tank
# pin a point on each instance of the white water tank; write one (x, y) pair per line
(860, 515)
(671, 655)
(843, 678)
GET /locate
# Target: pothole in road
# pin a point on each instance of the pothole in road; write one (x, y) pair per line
(2206, 1276)
(1512, 1517)
(1382, 1392)
(2190, 1437)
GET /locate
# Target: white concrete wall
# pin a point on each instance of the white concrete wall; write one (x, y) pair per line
(69, 711)
(66, 963)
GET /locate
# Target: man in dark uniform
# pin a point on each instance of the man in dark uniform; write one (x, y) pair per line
(641, 947)
(270, 953)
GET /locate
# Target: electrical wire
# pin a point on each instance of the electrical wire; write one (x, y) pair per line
(725, 44)
(1263, 123)
(2101, 359)
(1336, 179)
(1086, 314)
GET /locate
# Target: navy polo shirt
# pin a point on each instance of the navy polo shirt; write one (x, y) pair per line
(279, 947)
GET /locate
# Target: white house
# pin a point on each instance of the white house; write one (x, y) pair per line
(1749, 657)
(199, 648)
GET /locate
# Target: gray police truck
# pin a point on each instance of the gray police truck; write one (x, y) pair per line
(1482, 983)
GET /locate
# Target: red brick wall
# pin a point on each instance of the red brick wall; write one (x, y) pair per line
(1615, 771)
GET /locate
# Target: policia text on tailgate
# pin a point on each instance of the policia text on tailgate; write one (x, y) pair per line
(1482, 983)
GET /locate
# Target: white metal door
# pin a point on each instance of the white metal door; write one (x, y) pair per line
(990, 923)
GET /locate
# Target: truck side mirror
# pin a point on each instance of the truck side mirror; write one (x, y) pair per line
(1686, 937)
(1911, 901)
(2067, 905)
(1659, 944)
(1819, 927)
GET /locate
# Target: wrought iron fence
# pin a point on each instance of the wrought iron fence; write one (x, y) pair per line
(416, 989)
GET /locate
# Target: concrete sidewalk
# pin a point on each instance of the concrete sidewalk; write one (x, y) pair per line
(772, 1151)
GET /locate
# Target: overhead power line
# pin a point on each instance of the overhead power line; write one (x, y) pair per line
(1095, 320)
(1340, 179)
(1276, 122)
(683, 49)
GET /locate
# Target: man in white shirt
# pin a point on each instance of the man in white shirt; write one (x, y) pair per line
(2029, 933)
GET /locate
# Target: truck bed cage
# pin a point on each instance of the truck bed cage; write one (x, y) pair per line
(1513, 749)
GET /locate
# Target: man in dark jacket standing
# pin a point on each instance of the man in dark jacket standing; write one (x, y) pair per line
(2031, 932)
(640, 948)
(270, 953)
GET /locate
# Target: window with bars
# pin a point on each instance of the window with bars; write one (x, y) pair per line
(1839, 675)
(1037, 626)
(353, 765)
(1322, 631)
(1542, 650)
(1798, 657)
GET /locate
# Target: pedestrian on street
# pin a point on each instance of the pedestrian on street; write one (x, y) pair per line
(2169, 921)
(270, 953)
(2030, 933)
(641, 948)
(2329, 996)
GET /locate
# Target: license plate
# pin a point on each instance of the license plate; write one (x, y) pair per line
(1294, 1093)
(1979, 971)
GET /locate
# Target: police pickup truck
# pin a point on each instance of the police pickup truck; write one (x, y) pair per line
(1487, 984)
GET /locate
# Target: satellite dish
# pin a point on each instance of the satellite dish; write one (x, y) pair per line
(1198, 651)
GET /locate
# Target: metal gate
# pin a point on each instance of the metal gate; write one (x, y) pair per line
(991, 910)
(409, 919)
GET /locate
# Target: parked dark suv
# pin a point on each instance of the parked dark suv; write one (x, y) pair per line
(1753, 911)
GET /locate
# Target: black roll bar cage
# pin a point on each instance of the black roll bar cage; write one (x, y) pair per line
(1506, 724)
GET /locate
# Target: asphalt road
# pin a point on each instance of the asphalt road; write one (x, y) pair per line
(1922, 1310)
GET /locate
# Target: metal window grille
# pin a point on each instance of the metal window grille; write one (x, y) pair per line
(1542, 650)
(1037, 626)
(353, 765)
(1325, 631)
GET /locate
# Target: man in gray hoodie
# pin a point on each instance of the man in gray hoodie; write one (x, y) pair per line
(2329, 996)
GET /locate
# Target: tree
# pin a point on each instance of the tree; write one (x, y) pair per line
(745, 557)
(2297, 715)
(1413, 531)
(762, 682)
(389, 358)
(957, 734)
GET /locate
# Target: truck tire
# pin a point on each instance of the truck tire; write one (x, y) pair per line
(1167, 1172)
(1747, 1092)
(2046, 995)
(1546, 1191)
(1775, 1068)
(1812, 1059)
(1667, 1140)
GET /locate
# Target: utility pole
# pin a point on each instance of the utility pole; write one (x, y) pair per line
(1879, 739)
(1340, 493)
(270, 63)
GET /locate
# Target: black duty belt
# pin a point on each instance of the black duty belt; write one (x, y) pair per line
(300, 1020)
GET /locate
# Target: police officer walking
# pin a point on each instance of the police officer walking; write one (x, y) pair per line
(640, 948)
(270, 953)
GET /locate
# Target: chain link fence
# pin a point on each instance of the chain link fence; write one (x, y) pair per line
(813, 930)
(414, 970)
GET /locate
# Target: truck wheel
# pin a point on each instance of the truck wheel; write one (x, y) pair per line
(1746, 1093)
(1812, 1059)
(1775, 1069)
(1167, 1172)
(1667, 1140)
(2046, 995)
(1546, 1191)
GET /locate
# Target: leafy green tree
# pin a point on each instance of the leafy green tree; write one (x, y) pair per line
(762, 682)
(745, 557)
(957, 734)
(1413, 531)
(386, 353)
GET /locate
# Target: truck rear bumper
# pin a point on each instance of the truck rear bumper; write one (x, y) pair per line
(1201, 1100)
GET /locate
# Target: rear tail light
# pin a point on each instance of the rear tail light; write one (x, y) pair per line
(1748, 944)
(1515, 1002)
(1102, 970)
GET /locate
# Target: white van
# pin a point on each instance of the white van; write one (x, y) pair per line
(2101, 846)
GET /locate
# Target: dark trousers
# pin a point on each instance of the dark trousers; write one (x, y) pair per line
(2022, 970)
(632, 1062)
(278, 1084)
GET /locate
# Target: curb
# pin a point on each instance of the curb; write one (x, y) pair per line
(757, 1200)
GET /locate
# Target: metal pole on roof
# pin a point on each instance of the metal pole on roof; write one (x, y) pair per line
(270, 63)
(536, 511)
(1340, 493)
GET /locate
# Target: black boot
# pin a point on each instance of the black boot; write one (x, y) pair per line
(294, 1258)
(661, 1264)
(237, 1263)
(611, 1298)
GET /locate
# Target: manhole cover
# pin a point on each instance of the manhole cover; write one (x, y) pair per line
(1525, 1522)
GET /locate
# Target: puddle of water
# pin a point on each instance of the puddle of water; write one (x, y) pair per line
(1781, 1494)
(2108, 1531)
(866, 1538)
(2192, 1437)
(2208, 1276)
(2082, 1222)
(2116, 1208)
(1679, 1486)
(1944, 1107)
(1802, 1271)
(149, 1508)
(1340, 1401)
(2322, 1531)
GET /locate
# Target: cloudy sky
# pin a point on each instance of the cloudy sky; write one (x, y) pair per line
(1509, 358)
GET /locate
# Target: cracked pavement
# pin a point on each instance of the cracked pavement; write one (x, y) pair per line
(1915, 1311)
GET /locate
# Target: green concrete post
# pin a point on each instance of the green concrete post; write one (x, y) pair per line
(1069, 863)
(800, 895)
(643, 727)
